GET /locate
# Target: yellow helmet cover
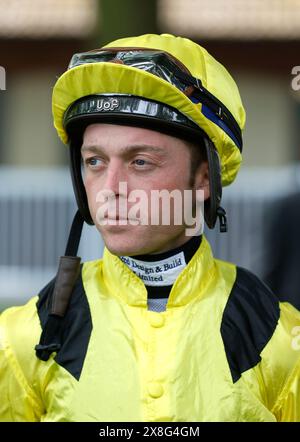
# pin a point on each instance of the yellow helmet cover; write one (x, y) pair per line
(113, 78)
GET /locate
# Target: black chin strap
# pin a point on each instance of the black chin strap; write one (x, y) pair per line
(74, 235)
(213, 210)
(222, 218)
(59, 296)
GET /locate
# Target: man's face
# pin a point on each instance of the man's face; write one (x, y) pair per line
(143, 161)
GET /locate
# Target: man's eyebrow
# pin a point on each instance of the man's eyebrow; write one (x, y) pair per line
(126, 149)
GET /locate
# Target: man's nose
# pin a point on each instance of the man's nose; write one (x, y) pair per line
(115, 174)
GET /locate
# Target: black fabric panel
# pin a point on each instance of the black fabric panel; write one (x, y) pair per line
(249, 321)
(76, 326)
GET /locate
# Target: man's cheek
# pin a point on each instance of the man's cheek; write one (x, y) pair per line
(91, 193)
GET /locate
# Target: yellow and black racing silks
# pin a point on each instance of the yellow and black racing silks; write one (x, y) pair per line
(223, 350)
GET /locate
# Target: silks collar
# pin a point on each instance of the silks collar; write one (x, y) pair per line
(160, 271)
(191, 282)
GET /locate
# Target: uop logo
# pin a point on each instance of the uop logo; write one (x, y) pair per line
(107, 104)
(2, 79)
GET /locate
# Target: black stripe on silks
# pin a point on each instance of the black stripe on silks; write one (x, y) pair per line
(74, 329)
(248, 323)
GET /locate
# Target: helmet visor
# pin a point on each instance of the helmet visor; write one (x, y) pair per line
(167, 67)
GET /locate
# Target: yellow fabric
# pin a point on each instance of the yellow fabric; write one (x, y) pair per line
(147, 366)
(97, 78)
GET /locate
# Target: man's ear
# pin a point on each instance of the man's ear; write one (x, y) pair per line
(202, 179)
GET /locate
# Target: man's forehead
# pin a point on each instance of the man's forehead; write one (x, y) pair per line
(127, 138)
(127, 149)
(117, 129)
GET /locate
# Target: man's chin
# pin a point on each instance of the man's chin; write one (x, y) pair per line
(119, 250)
(120, 244)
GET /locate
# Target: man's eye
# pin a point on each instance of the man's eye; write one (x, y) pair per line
(140, 162)
(93, 162)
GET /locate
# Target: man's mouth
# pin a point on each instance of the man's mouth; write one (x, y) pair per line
(116, 218)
